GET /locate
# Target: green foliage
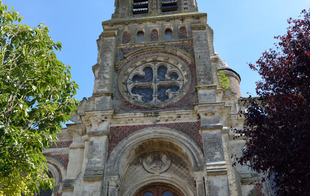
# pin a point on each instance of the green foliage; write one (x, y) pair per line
(36, 97)
(223, 79)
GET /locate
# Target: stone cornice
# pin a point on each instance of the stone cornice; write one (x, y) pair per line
(162, 117)
(181, 16)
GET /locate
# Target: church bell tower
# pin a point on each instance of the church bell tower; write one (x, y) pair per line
(158, 122)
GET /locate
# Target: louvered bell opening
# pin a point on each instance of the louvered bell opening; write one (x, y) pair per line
(169, 5)
(140, 7)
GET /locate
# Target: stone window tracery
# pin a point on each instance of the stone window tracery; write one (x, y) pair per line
(155, 83)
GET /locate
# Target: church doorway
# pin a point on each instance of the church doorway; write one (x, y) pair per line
(158, 190)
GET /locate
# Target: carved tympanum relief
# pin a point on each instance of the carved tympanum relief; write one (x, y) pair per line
(156, 162)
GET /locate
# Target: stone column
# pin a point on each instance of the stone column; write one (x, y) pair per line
(211, 131)
(216, 165)
(75, 158)
(104, 70)
(98, 130)
(206, 86)
(202, 54)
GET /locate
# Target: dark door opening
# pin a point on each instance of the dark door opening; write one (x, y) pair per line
(159, 190)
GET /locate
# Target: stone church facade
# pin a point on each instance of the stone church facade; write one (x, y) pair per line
(158, 122)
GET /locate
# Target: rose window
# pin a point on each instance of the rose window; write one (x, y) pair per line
(155, 83)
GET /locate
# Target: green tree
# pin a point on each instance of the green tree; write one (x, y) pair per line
(36, 98)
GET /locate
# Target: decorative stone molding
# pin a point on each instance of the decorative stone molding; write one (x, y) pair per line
(154, 117)
(206, 87)
(68, 185)
(97, 121)
(119, 156)
(59, 151)
(225, 130)
(113, 182)
(110, 33)
(216, 168)
(210, 127)
(249, 178)
(167, 50)
(93, 174)
(199, 27)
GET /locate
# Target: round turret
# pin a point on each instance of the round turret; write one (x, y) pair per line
(233, 76)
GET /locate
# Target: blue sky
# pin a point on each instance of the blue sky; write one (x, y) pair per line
(243, 29)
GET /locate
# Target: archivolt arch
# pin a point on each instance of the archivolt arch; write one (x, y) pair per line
(168, 51)
(124, 153)
(58, 172)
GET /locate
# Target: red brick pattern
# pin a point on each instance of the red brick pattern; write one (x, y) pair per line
(118, 133)
(182, 33)
(63, 159)
(58, 170)
(61, 144)
(235, 85)
(126, 38)
(154, 35)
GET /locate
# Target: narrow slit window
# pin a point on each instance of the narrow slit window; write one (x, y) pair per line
(140, 7)
(169, 5)
(168, 35)
(140, 37)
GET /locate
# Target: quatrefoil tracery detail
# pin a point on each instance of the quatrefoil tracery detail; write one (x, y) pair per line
(155, 82)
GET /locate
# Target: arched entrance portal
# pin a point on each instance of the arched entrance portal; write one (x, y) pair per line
(154, 156)
(158, 190)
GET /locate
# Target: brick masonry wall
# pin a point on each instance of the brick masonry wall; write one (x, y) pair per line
(118, 133)
(235, 86)
(61, 144)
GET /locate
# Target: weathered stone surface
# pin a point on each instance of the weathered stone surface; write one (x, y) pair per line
(104, 69)
(202, 57)
(218, 185)
(213, 146)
